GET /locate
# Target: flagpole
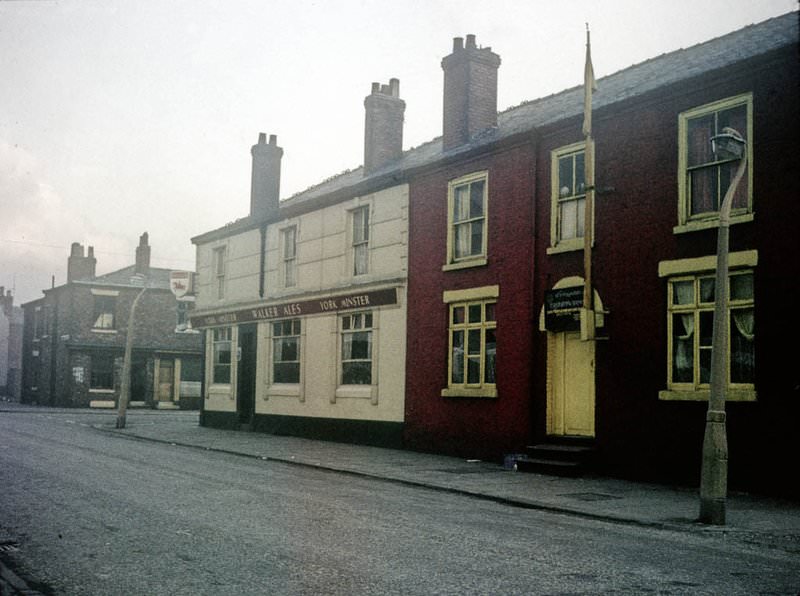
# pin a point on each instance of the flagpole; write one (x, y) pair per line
(588, 327)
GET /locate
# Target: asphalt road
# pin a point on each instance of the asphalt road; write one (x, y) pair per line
(97, 513)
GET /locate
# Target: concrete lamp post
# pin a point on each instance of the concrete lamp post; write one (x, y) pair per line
(728, 146)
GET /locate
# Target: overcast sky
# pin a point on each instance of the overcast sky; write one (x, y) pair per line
(124, 116)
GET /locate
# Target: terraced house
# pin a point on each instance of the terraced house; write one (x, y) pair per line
(486, 339)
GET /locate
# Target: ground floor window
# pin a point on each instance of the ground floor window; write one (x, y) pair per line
(221, 354)
(473, 344)
(286, 351)
(102, 371)
(690, 329)
(356, 330)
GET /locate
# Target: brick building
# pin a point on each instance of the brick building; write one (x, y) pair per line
(11, 323)
(74, 338)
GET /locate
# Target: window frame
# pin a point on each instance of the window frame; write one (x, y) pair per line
(697, 270)
(219, 263)
(356, 244)
(109, 310)
(219, 337)
(471, 260)
(482, 297)
(109, 361)
(557, 244)
(288, 257)
(294, 333)
(688, 222)
(350, 329)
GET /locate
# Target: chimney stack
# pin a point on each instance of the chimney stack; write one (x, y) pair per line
(470, 92)
(383, 126)
(79, 266)
(142, 255)
(265, 184)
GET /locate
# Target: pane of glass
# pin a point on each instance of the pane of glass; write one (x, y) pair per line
(474, 313)
(368, 320)
(476, 199)
(682, 348)
(222, 373)
(473, 370)
(296, 327)
(580, 205)
(727, 171)
(461, 203)
(706, 328)
(474, 342)
(360, 259)
(742, 361)
(489, 363)
(565, 177)
(707, 289)
(277, 329)
(704, 193)
(580, 173)
(357, 373)
(458, 315)
(705, 366)
(477, 238)
(742, 286)
(289, 350)
(735, 118)
(346, 323)
(490, 308)
(462, 240)
(356, 318)
(360, 345)
(457, 358)
(569, 219)
(699, 132)
(683, 292)
(286, 372)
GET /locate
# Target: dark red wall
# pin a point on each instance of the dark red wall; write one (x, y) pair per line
(471, 427)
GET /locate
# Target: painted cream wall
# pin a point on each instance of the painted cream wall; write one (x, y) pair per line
(319, 393)
(241, 273)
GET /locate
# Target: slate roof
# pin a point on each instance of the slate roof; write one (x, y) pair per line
(155, 279)
(637, 80)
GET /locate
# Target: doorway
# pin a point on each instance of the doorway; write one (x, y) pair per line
(246, 373)
(571, 390)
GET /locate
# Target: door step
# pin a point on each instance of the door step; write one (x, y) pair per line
(565, 456)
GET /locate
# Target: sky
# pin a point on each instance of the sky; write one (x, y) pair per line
(119, 117)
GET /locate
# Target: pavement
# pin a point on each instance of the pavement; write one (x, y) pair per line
(753, 519)
(758, 519)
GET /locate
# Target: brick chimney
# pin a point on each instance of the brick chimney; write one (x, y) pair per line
(142, 255)
(470, 92)
(79, 266)
(265, 184)
(383, 127)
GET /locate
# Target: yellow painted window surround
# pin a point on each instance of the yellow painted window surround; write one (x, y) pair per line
(472, 343)
(703, 179)
(568, 198)
(467, 216)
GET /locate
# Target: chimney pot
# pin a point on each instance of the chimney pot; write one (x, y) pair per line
(458, 44)
(471, 41)
(383, 126)
(376, 87)
(262, 138)
(266, 176)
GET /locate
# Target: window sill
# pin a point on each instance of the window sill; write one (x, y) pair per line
(106, 391)
(466, 264)
(106, 331)
(566, 246)
(697, 225)
(283, 390)
(703, 395)
(483, 392)
(358, 392)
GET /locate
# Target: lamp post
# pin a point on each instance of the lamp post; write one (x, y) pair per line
(729, 145)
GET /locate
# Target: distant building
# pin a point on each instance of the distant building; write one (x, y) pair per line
(11, 323)
(75, 336)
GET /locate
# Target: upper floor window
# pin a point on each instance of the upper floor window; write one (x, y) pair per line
(286, 351)
(568, 197)
(357, 349)
(218, 265)
(703, 178)
(289, 256)
(466, 221)
(221, 356)
(104, 308)
(360, 240)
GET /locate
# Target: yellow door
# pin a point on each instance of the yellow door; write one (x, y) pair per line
(571, 399)
(166, 376)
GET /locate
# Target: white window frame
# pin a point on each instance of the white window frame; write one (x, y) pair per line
(360, 242)
(454, 261)
(220, 336)
(219, 261)
(686, 221)
(288, 256)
